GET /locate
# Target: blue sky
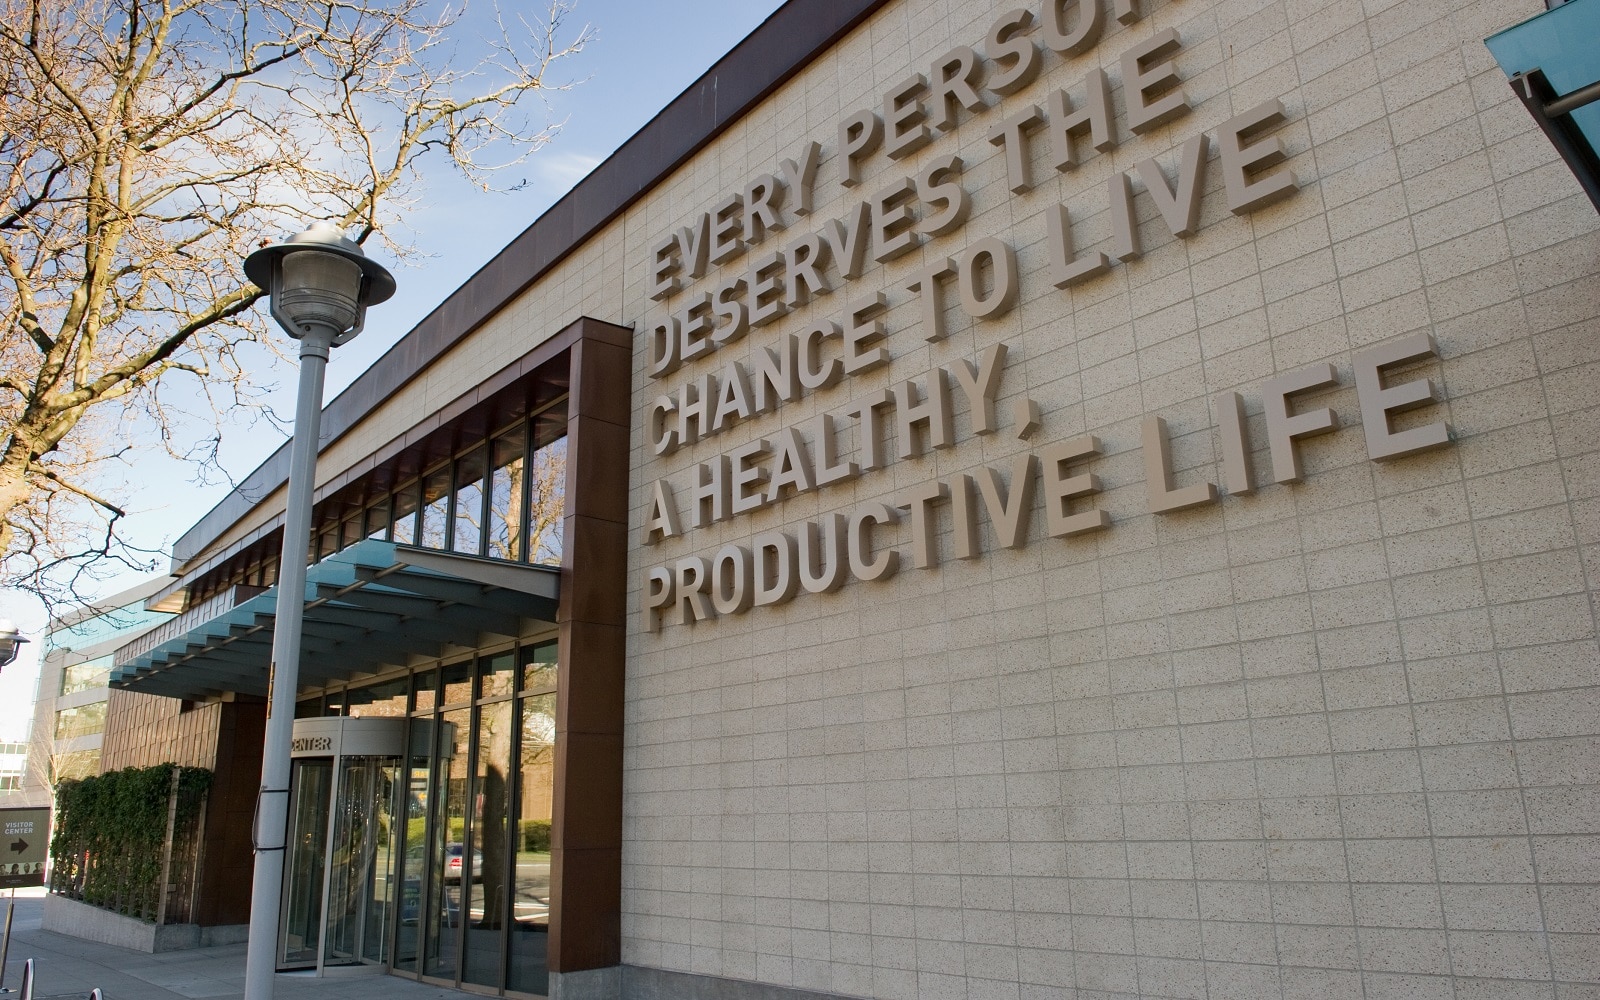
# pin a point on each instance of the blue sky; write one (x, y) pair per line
(644, 54)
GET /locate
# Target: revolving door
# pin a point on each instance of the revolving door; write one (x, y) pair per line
(339, 889)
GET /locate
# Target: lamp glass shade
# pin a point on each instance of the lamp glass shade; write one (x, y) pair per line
(10, 641)
(319, 289)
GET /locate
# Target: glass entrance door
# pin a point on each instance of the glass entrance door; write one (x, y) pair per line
(339, 878)
(305, 863)
(361, 862)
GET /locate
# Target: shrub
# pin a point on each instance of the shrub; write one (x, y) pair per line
(536, 835)
(110, 834)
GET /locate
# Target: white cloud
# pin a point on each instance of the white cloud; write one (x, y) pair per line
(561, 169)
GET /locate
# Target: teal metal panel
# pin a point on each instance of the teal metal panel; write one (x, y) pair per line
(1565, 44)
(366, 608)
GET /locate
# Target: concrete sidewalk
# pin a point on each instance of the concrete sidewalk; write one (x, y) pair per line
(66, 966)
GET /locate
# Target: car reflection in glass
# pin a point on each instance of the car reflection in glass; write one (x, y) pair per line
(452, 864)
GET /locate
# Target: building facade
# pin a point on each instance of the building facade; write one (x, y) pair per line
(1092, 499)
(69, 704)
(13, 767)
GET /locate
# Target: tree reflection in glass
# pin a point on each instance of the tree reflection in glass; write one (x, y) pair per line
(467, 526)
(487, 910)
(435, 508)
(505, 495)
(547, 503)
(531, 894)
(450, 792)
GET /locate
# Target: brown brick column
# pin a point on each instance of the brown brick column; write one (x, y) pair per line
(586, 836)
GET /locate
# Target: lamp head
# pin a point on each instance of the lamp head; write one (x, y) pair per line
(10, 641)
(318, 279)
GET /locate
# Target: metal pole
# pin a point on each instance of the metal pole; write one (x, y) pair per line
(1538, 96)
(1566, 104)
(272, 805)
(5, 943)
(27, 980)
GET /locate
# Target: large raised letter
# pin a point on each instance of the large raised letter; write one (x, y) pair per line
(1378, 402)
(1283, 428)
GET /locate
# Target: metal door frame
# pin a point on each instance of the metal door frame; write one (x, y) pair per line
(325, 739)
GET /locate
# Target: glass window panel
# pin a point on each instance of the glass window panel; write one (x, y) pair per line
(550, 424)
(83, 676)
(378, 519)
(530, 896)
(539, 666)
(111, 623)
(435, 506)
(424, 691)
(405, 515)
(487, 901)
(308, 708)
(76, 765)
(85, 720)
(385, 858)
(498, 675)
(467, 528)
(547, 502)
(328, 541)
(508, 459)
(413, 864)
(449, 803)
(552, 382)
(386, 700)
(351, 531)
(458, 683)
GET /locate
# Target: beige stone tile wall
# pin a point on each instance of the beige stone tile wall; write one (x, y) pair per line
(1335, 738)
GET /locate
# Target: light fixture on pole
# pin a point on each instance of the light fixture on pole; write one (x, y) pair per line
(319, 285)
(10, 641)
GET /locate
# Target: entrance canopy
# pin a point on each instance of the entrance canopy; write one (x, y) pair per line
(373, 605)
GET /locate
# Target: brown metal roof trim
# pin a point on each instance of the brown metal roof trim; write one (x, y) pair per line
(783, 45)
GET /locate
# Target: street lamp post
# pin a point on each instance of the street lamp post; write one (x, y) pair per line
(11, 641)
(320, 285)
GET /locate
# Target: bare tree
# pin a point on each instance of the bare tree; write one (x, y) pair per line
(145, 148)
(48, 767)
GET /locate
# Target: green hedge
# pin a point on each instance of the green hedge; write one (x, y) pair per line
(110, 831)
(536, 835)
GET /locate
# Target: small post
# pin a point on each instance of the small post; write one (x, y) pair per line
(27, 980)
(199, 857)
(166, 849)
(5, 942)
